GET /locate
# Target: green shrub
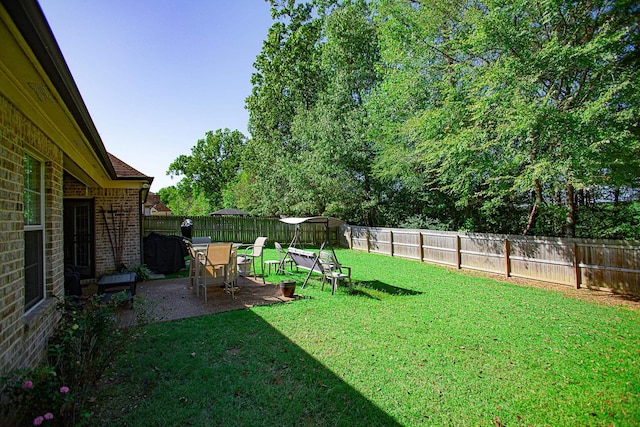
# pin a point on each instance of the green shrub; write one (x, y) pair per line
(142, 271)
(86, 340)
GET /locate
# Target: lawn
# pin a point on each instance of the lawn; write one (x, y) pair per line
(413, 344)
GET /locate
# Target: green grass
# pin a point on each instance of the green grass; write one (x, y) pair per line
(414, 344)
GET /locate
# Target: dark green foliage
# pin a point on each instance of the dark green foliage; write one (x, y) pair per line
(213, 166)
(86, 341)
(610, 221)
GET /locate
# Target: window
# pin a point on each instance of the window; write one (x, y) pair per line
(33, 232)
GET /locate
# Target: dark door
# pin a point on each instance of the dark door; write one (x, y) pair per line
(78, 236)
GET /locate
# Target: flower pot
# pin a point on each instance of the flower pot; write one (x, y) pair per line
(288, 288)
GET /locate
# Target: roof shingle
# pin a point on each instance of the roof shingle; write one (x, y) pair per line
(123, 170)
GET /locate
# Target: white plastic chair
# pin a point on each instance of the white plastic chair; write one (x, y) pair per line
(250, 253)
(333, 271)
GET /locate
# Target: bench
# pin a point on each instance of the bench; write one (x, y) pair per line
(305, 259)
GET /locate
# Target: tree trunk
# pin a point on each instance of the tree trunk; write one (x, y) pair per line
(581, 197)
(571, 212)
(533, 216)
(532, 219)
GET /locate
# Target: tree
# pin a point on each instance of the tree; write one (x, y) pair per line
(565, 89)
(183, 200)
(332, 174)
(286, 78)
(309, 153)
(418, 74)
(508, 99)
(213, 165)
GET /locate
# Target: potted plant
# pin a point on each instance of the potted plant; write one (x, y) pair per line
(288, 288)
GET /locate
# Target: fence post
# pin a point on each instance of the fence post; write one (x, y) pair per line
(507, 261)
(391, 242)
(576, 265)
(458, 254)
(367, 236)
(420, 249)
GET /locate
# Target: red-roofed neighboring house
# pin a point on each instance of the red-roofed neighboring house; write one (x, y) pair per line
(154, 206)
(64, 200)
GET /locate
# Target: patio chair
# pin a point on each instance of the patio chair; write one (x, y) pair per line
(333, 271)
(194, 263)
(282, 261)
(215, 267)
(249, 253)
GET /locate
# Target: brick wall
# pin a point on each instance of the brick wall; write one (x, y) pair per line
(23, 336)
(122, 227)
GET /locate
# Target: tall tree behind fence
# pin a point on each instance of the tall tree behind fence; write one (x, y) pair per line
(240, 229)
(597, 264)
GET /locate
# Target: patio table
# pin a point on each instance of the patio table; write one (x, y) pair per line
(111, 284)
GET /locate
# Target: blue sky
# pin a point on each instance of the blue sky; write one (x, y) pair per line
(156, 75)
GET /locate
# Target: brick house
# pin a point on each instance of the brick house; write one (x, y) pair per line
(155, 207)
(63, 198)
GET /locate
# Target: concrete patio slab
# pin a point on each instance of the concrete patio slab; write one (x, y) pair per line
(174, 299)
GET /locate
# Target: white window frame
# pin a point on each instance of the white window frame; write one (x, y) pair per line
(37, 227)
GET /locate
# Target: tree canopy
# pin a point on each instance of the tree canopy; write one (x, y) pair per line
(212, 167)
(492, 116)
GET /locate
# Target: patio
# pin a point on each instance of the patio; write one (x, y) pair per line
(174, 299)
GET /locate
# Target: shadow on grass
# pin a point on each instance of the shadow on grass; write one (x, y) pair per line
(383, 287)
(232, 368)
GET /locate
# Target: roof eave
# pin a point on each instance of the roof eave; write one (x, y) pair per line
(28, 16)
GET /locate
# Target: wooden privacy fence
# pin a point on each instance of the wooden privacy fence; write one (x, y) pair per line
(597, 264)
(240, 229)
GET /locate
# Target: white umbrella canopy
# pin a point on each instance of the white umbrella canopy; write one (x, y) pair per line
(326, 220)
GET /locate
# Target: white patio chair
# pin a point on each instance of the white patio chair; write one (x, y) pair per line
(249, 254)
(333, 271)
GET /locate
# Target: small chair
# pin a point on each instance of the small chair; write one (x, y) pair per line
(275, 262)
(282, 261)
(251, 253)
(215, 266)
(333, 271)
